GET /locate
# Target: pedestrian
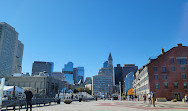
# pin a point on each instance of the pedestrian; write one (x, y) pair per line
(132, 98)
(149, 98)
(135, 98)
(186, 98)
(72, 96)
(153, 99)
(29, 96)
(144, 98)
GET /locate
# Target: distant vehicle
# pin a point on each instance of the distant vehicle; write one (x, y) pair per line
(115, 96)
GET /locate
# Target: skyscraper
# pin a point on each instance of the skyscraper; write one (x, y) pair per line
(105, 64)
(68, 72)
(11, 50)
(127, 68)
(118, 74)
(39, 66)
(75, 75)
(103, 82)
(19, 57)
(121, 73)
(80, 73)
(88, 80)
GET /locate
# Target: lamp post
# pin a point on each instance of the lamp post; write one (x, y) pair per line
(120, 90)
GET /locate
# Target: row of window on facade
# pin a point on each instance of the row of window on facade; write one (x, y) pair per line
(180, 60)
(165, 76)
(175, 85)
(173, 69)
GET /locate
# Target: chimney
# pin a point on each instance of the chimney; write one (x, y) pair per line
(162, 51)
(179, 45)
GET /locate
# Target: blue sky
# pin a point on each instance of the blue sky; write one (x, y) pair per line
(86, 31)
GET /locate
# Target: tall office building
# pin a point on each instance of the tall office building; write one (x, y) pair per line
(11, 50)
(68, 67)
(127, 68)
(121, 73)
(19, 57)
(88, 80)
(105, 64)
(75, 75)
(68, 72)
(103, 82)
(39, 66)
(80, 73)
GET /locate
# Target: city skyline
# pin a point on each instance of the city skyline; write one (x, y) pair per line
(86, 32)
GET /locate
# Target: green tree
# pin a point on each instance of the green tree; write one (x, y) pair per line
(82, 89)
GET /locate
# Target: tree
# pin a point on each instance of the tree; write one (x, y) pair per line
(130, 91)
(82, 89)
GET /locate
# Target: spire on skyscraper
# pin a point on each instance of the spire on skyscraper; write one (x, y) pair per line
(110, 56)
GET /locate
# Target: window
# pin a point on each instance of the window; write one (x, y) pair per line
(172, 60)
(165, 77)
(183, 76)
(185, 85)
(157, 85)
(155, 69)
(181, 60)
(166, 85)
(163, 69)
(175, 85)
(173, 68)
(182, 68)
(156, 77)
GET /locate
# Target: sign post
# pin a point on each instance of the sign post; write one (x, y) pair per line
(1, 91)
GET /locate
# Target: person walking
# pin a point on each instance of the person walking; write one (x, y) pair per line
(149, 98)
(135, 98)
(29, 96)
(144, 98)
(153, 99)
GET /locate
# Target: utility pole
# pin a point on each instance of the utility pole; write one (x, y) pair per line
(120, 90)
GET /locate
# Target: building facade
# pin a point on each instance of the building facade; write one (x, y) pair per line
(43, 85)
(80, 73)
(40, 66)
(127, 68)
(88, 80)
(11, 50)
(167, 73)
(102, 84)
(75, 75)
(19, 57)
(58, 75)
(105, 64)
(104, 80)
(129, 80)
(121, 73)
(68, 72)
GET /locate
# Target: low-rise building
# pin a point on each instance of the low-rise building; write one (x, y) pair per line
(43, 85)
(166, 76)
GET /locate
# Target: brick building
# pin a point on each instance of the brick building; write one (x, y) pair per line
(166, 76)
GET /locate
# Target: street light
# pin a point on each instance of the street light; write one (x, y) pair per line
(120, 90)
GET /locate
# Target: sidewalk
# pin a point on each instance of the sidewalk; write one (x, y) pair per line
(115, 105)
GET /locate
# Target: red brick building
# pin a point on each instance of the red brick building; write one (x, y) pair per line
(167, 75)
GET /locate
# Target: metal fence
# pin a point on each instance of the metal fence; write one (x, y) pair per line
(22, 102)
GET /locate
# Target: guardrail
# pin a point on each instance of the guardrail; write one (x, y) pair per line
(22, 102)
